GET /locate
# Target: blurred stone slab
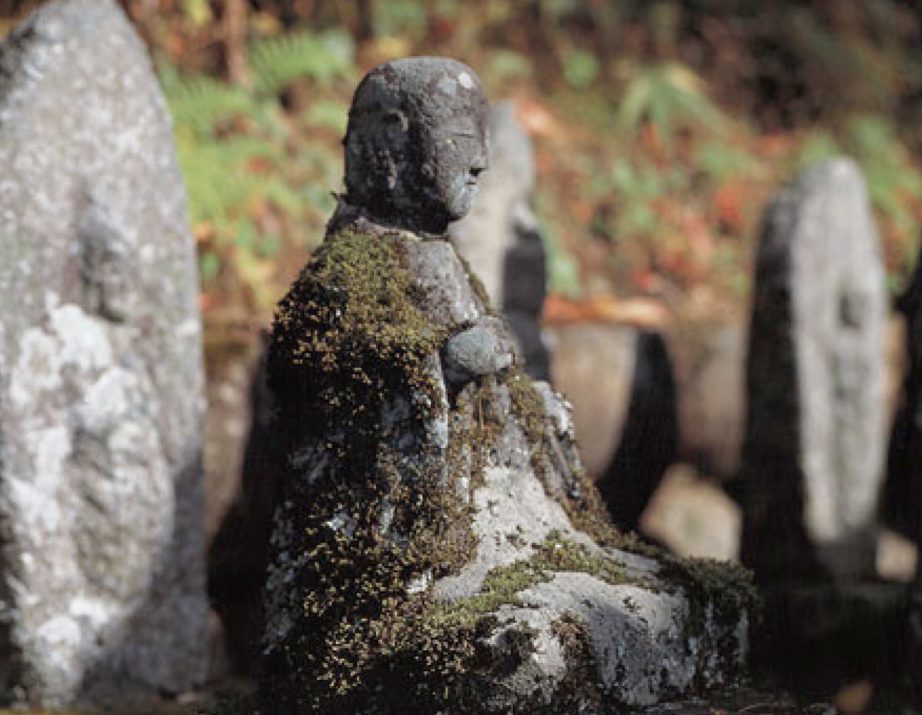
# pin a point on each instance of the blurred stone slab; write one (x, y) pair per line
(693, 517)
(101, 566)
(593, 366)
(814, 442)
(710, 361)
(501, 238)
(620, 382)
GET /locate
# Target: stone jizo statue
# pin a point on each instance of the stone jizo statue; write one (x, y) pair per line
(431, 489)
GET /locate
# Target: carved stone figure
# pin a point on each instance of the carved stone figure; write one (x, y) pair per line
(432, 543)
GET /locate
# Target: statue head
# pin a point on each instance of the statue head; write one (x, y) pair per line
(416, 143)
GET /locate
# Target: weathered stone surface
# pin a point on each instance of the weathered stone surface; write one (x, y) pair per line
(501, 238)
(481, 350)
(814, 442)
(436, 541)
(412, 162)
(101, 566)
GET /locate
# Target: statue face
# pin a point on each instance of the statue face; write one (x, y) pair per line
(417, 143)
(458, 155)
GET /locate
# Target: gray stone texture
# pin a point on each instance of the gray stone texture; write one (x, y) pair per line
(813, 451)
(501, 237)
(648, 635)
(101, 515)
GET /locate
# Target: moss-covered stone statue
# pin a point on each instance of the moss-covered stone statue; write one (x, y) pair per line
(437, 548)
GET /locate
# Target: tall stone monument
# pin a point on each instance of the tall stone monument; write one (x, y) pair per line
(814, 445)
(101, 554)
(436, 545)
(501, 238)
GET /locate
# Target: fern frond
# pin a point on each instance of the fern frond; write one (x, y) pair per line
(202, 102)
(668, 95)
(277, 61)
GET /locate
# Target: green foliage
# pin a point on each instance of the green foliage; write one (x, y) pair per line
(894, 183)
(670, 97)
(580, 68)
(637, 186)
(719, 159)
(277, 61)
(818, 147)
(202, 103)
(396, 17)
(506, 65)
(562, 269)
(329, 114)
(251, 186)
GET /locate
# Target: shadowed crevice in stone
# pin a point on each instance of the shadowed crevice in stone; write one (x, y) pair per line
(238, 554)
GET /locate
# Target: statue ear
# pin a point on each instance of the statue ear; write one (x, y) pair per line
(396, 125)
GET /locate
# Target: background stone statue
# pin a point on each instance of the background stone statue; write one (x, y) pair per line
(434, 539)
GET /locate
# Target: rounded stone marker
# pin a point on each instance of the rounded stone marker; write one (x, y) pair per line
(814, 441)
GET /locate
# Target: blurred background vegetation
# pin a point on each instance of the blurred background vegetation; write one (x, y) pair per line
(661, 127)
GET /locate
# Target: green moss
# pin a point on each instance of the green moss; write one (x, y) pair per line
(580, 691)
(729, 587)
(503, 584)
(560, 554)
(350, 331)
(350, 340)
